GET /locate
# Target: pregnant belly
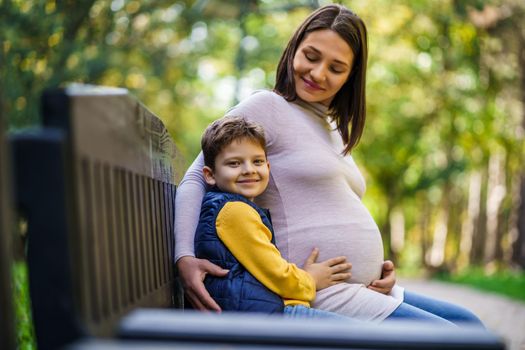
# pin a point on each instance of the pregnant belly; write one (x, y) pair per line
(360, 244)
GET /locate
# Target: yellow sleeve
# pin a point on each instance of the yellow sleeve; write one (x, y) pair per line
(241, 229)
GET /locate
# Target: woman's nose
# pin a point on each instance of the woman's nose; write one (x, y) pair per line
(318, 72)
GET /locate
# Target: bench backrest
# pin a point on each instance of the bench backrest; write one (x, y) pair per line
(97, 185)
(6, 296)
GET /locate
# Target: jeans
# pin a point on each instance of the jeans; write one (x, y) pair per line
(421, 308)
(301, 311)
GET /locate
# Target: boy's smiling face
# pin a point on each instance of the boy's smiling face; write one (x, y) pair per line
(241, 167)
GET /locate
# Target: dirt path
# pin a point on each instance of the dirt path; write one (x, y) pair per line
(503, 316)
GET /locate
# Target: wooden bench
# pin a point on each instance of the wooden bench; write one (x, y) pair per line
(97, 187)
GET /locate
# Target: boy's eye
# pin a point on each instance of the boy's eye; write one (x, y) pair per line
(233, 163)
(259, 161)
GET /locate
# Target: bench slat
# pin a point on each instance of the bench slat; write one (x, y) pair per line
(234, 329)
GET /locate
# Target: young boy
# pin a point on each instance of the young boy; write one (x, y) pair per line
(236, 234)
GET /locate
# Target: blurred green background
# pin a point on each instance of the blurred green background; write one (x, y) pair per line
(443, 148)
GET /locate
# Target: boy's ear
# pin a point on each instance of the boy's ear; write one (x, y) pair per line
(208, 175)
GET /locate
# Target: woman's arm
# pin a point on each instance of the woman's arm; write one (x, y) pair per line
(187, 211)
(188, 200)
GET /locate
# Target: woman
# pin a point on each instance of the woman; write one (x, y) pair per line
(313, 119)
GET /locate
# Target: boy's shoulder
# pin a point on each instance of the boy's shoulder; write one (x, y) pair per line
(216, 194)
(218, 199)
(214, 202)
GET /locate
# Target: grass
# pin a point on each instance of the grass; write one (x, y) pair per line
(506, 282)
(25, 333)
(492, 278)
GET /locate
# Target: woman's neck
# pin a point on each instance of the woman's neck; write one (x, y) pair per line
(318, 108)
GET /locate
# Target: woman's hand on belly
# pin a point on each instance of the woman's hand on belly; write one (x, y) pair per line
(329, 272)
(387, 281)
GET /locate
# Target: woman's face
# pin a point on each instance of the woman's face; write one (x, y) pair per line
(322, 63)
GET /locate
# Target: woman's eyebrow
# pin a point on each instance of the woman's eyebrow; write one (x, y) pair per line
(319, 53)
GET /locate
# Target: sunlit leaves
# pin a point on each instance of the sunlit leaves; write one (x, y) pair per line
(442, 95)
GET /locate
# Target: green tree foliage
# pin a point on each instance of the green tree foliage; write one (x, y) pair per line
(181, 58)
(440, 105)
(444, 94)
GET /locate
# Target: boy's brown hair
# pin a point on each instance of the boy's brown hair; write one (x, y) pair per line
(226, 130)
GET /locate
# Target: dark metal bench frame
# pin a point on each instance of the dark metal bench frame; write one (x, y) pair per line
(7, 321)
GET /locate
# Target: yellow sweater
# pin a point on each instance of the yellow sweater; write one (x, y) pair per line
(240, 228)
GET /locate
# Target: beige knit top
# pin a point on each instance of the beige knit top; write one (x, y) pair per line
(314, 197)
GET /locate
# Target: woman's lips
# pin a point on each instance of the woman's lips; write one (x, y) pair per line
(311, 84)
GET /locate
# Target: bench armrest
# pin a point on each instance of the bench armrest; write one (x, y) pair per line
(230, 328)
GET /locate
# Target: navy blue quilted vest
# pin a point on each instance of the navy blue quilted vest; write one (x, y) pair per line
(239, 290)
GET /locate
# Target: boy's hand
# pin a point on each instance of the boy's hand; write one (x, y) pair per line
(329, 272)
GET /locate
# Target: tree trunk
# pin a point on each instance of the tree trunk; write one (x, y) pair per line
(397, 230)
(480, 225)
(496, 192)
(386, 232)
(518, 248)
(469, 225)
(424, 219)
(436, 255)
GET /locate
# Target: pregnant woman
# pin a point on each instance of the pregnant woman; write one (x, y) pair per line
(313, 119)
